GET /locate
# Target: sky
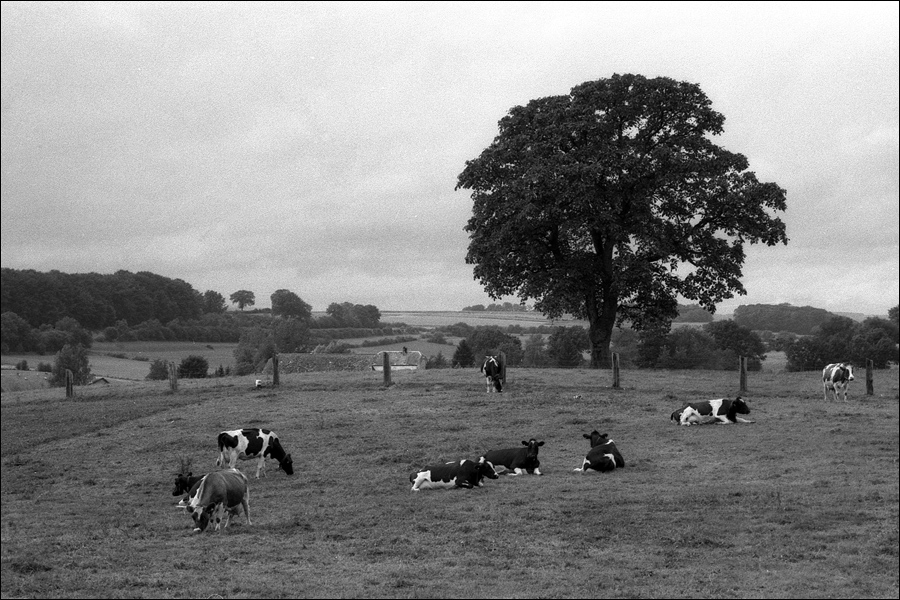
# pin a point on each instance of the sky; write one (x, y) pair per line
(315, 147)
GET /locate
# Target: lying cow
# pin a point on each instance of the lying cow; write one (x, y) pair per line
(837, 377)
(603, 456)
(252, 443)
(492, 374)
(465, 474)
(720, 410)
(217, 492)
(520, 460)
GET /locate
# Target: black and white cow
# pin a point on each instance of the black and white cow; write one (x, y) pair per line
(464, 473)
(603, 456)
(492, 373)
(218, 492)
(519, 460)
(252, 443)
(721, 410)
(837, 377)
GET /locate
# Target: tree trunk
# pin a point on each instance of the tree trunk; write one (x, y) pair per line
(600, 334)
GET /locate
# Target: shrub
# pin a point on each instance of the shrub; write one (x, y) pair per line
(75, 359)
(193, 367)
(159, 370)
(22, 365)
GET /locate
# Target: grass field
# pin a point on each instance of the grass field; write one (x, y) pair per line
(802, 503)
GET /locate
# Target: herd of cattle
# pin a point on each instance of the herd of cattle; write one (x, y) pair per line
(219, 495)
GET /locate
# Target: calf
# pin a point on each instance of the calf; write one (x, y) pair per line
(837, 377)
(252, 443)
(521, 460)
(720, 410)
(492, 374)
(465, 474)
(218, 491)
(603, 456)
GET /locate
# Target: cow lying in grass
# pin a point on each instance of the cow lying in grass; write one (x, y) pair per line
(519, 460)
(464, 473)
(720, 410)
(603, 456)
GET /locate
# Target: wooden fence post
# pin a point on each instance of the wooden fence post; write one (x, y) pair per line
(173, 377)
(387, 369)
(275, 379)
(70, 384)
(615, 370)
(743, 368)
(870, 377)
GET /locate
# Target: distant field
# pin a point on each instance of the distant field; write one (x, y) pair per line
(438, 319)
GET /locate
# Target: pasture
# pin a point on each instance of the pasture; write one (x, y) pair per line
(803, 503)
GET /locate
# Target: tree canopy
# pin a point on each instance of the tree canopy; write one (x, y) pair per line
(243, 298)
(611, 202)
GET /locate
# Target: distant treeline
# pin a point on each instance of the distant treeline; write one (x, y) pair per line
(802, 320)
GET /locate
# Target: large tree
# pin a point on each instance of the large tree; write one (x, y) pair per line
(243, 298)
(286, 303)
(611, 202)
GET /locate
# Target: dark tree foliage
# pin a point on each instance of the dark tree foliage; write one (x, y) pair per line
(291, 335)
(741, 341)
(841, 339)
(802, 320)
(491, 341)
(96, 301)
(159, 370)
(243, 298)
(214, 302)
(75, 359)
(193, 367)
(566, 344)
(535, 353)
(894, 314)
(463, 357)
(286, 303)
(612, 201)
(693, 313)
(15, 334)
(347, 314)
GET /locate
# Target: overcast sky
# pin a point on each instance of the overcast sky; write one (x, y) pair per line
(315, 147)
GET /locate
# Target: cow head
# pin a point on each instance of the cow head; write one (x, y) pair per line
(182, 485)
(533, 445)
(740, 406)
(596, 438)
(201, 516)
(486, 469)
(287, 464)
(848, 371)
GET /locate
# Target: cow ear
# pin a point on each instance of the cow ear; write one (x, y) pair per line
(524, 443)
(586, 436)
(540, 443)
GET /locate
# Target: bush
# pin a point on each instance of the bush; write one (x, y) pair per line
(73, 358)
(45, 367)
(193, 367)
(159, 370)
(22, 365)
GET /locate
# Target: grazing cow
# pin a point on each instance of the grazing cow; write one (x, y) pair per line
(837, 377)
(603, 456)
(720, 410)
(218, 491)
(465, 474)
(492, 374)
(520, 460)
(252, 443)
(184, 484)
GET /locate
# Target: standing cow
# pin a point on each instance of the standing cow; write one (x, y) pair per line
(603, 456)
(837, 377)
(519, 460)
(493, 374)
(218, 492)
(252, 443)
